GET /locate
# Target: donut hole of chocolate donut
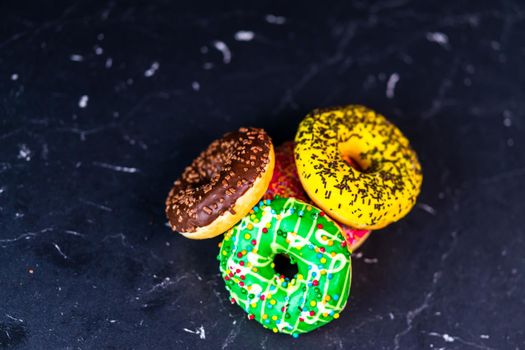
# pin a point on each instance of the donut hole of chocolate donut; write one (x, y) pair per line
(285, 267)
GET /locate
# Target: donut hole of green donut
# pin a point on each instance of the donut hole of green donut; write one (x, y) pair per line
(284, 266)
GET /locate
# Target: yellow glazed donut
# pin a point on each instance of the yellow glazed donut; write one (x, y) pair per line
(385, 187)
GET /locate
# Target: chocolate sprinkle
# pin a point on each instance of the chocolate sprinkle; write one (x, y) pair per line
(392, 174)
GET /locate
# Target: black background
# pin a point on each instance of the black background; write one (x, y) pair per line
(86, 260)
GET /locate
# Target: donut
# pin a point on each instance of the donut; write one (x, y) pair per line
(285, 183)
(222, 184)
(382, 191)
(319, 290)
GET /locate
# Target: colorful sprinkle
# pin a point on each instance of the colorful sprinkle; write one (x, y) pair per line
(276, 301)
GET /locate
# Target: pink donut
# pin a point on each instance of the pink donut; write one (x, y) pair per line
(285, 183)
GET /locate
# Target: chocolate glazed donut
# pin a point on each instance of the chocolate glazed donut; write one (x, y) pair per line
(222, 184)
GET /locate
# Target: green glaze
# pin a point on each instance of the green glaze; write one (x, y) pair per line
(320, 289)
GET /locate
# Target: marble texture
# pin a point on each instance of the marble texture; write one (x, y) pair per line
(103, 103)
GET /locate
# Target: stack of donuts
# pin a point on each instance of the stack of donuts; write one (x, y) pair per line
(312, 201)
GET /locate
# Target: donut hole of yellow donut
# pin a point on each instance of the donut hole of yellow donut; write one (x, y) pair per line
(351, 154)
(284, 266)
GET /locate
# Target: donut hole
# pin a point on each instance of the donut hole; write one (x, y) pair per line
(284, 266)
(351, 154)
(353, 162)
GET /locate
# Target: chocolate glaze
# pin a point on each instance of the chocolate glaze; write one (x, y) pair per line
(219, 176)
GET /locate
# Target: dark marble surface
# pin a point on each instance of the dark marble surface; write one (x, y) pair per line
(102, 104)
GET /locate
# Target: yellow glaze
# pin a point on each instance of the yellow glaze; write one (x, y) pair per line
(386, 187)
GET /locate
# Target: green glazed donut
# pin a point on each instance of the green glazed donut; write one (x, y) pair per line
(315, 295)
